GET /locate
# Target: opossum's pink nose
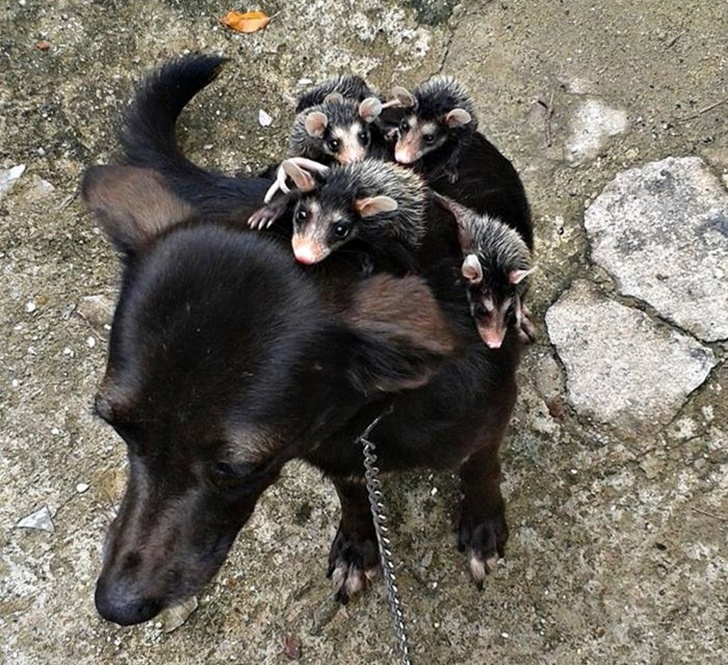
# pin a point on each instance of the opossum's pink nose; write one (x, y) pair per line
(492, 336)
(403, 156)
(308, 252)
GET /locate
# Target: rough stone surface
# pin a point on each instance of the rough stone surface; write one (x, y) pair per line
(662, 231)
(592, 124)
(623, 369)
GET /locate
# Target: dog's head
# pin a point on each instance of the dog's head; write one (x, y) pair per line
(224, 363)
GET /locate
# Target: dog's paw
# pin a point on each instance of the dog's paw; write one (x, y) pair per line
(353, 564)
(484, 542)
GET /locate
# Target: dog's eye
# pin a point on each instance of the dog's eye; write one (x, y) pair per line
(227, 472)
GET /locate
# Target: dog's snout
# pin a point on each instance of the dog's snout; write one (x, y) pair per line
(122, 604)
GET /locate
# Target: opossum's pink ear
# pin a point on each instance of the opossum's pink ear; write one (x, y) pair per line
(472, 270)
(457, 118)
(303, 180)
(517, 276)
(400, 335)
(132, 205)
(370, 109)
(336, 97)
(373, 205)
(401, 98)
(316, 123)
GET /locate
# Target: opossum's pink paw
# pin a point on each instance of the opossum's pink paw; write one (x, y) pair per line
(353, 565)
(263, 218)
(484, 543)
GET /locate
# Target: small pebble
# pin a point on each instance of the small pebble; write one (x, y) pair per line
(505, 636)
(433, 491)
(81, 488)
(264, 119)
(90, 342)
(30, 306)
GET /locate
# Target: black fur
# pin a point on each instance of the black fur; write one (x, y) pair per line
(148, 139)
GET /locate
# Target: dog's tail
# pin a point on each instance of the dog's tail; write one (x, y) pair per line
(148, 140)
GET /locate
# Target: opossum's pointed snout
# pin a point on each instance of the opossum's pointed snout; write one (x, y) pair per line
(492, 335)
(352, 155)
(307, 252)
(404, 156)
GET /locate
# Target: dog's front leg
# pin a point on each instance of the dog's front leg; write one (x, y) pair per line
(354, 555)
(483, 530)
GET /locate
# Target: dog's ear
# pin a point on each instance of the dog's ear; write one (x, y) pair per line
(401, 335)
(132, 205)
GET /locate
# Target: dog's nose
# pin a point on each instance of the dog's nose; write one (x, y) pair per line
(121, 604)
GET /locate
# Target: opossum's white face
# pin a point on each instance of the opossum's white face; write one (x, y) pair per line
(417, 138)
(348, 144)
(317, 231)
(494, 300)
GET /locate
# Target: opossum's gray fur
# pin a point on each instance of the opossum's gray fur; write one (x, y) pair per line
(339, 114)
(441, 94)
(349, 86)
(372, 177)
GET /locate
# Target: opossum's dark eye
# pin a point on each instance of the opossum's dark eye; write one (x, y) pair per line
(341, 230)
(404, 125)
(479, 312)
(364, 137)
(429, 139)
(334, 144)
(301, 215)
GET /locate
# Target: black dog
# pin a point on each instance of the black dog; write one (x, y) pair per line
(227, 359)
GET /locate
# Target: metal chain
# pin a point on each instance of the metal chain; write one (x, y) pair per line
(379, 516)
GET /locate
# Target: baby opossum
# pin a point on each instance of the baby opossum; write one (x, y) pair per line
(336, 122)
(371, 204)
(439, 117)
(438, 137)
(337, 130)
(496, 264)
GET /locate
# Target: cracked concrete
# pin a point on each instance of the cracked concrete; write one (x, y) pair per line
(618, 538)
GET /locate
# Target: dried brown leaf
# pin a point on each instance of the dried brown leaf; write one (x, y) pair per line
(245, 21)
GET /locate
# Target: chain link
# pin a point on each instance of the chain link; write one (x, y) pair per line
(379, 516)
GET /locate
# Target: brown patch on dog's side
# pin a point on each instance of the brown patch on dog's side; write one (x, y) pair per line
(404, 310)
(133, 205)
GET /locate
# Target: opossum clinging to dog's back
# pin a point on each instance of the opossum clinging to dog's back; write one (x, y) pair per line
(439, 115)
(337, 122)
(337, 130)
(496, 264)
(377, 203)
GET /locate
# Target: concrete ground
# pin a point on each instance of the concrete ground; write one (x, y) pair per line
(618, 509)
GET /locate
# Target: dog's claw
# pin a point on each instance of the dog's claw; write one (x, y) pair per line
(485, 545)
(353, 565)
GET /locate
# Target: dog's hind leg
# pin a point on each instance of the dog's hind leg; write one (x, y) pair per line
(354, 555)
(483, 530)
